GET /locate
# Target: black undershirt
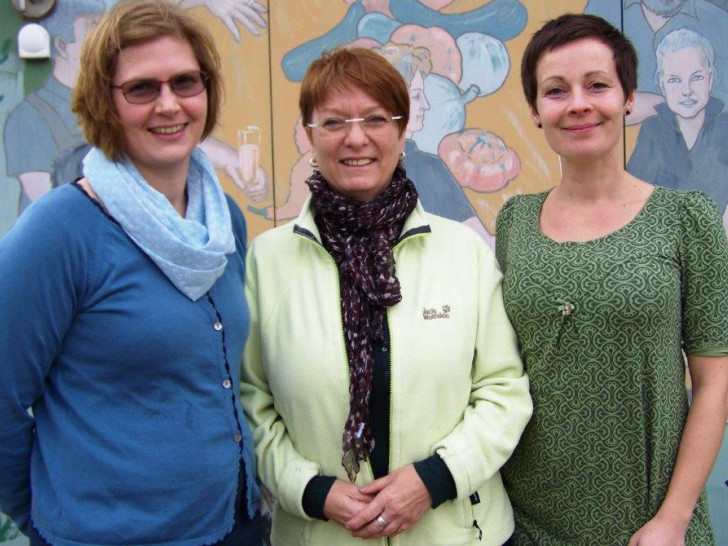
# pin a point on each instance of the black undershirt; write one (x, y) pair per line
(432, 471)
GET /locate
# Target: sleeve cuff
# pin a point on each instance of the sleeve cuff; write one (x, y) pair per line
(437, 478)
(314, 496)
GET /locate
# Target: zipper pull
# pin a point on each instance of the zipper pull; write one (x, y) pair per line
(480, 531)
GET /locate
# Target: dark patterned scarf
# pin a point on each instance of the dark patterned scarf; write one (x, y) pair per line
(359, 236)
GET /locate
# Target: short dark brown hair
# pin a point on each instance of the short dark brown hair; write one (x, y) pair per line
(354, 67)
(570, 28)
(132, 22)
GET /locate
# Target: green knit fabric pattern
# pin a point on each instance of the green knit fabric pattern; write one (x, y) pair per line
(602, 327)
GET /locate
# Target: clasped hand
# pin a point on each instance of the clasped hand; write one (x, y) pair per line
(384, 508)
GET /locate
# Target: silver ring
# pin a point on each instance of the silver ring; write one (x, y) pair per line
(381, 521)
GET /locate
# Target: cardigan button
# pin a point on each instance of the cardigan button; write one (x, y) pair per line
(217, 326)
(237, 437)
(227, 384)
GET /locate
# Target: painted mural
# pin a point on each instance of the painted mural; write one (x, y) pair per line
(470, 144)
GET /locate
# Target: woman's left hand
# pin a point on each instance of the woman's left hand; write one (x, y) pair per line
(659, 532)
(401, 500)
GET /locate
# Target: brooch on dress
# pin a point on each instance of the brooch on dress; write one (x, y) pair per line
(566, 310)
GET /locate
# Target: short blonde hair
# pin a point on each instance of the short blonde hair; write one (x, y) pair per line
(132, 22)
(677, 40)
(407, 59)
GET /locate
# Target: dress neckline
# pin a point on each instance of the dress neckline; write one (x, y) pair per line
(626, 227)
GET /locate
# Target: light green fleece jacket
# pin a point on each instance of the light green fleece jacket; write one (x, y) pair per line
(457, 383)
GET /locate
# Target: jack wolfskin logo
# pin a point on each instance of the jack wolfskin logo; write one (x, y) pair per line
(432, 313)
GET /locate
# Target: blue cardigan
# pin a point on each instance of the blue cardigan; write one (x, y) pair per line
(137, 432)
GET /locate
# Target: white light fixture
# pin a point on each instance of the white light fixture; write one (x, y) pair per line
(34, 42)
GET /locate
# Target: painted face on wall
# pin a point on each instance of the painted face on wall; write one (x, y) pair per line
(418, 104)
(686, 82)
(69, 53)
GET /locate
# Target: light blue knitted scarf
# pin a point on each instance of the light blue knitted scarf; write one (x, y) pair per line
(190, 251)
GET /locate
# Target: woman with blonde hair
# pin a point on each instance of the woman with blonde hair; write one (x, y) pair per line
(123, 312)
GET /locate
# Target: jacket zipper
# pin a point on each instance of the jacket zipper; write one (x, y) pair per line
(415, 232)
(310, 237)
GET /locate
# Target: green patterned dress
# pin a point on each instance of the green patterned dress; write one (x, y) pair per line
(601, 325)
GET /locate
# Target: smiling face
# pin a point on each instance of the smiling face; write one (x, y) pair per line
(686, 82)
(418, 104)
(580, 101)
(159, 136)
(357, 164)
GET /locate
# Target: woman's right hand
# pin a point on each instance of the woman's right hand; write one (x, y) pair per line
(344, 501)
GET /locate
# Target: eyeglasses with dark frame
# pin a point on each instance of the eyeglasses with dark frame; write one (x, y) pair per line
(337, 127)
(184, 85)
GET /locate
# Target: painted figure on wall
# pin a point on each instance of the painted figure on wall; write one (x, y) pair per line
(439, 192)
(50, 154)
(55, 139)
(647, 22)
(683, 146)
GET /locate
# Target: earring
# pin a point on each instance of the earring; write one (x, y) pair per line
(628, 111)
(402, 155)
(313, 163)
(539, 125)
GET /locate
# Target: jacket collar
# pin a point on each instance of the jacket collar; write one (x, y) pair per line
(305, 225)
(689, 9)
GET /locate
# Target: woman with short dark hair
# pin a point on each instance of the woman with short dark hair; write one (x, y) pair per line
(608, 281)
